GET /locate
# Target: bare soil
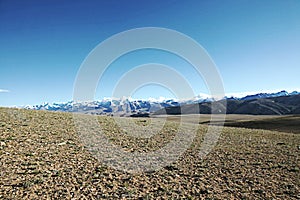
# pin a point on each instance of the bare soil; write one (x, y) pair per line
(282, 123)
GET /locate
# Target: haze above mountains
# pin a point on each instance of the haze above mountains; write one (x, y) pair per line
(280, 103)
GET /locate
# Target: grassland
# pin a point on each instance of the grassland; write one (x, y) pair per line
(42, 157)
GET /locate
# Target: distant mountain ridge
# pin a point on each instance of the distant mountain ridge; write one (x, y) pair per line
(261, 103)
(268, 95)
(280, 105)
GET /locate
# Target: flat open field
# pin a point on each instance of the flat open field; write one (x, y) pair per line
(42, 157)
(286, 123)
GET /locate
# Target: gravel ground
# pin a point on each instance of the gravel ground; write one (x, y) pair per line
(42, 157)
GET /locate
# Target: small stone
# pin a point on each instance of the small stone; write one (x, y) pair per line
(295, 169)
(2, 144)
(62, 143)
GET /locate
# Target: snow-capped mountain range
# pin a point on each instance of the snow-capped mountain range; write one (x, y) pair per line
(129, 106)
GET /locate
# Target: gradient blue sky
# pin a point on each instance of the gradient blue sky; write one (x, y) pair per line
(255, 44)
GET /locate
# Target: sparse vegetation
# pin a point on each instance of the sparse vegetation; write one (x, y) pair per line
(46, 159)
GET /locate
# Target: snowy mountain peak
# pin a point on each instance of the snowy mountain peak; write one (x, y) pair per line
(266, 95)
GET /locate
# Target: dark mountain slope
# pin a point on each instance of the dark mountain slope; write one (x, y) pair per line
(283, 105)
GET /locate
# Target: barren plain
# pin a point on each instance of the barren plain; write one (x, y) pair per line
(42, 157)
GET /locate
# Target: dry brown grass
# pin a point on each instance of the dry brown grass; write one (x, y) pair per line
(41, 157)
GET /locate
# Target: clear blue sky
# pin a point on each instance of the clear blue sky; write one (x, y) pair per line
(255, 44)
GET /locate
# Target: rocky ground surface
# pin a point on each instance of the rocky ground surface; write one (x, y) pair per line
(42, 157)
